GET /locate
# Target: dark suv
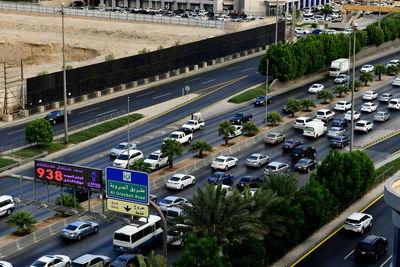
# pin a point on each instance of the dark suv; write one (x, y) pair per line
(371, 247)
(302, 151)
(241, 117)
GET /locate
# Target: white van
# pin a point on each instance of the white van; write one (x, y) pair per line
(300, 122)
(6, 205)
(314, 128)
(394, 103)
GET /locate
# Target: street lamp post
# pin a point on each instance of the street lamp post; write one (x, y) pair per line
(352, 93)
(266, 94)
(64, 78)
(127, 165)
(276, 23)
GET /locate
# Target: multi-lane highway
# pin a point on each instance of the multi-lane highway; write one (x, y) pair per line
(96, 156)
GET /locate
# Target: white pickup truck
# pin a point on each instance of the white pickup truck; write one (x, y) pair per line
(181, 137)
(195, 123)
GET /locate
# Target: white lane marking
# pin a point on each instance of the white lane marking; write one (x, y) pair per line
(106, 112)
(348, 255)
(208, 81)
(172, 127)
(247, 69)
(161, 95)
(232, 68)
(192, 80)
(386, 261)
(146, 94)
(160, 132)
(88, 110)
(17, 131)
(148, 137)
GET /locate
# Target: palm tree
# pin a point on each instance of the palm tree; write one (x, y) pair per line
(325, 95)
(24, 221)
(200, 146)
(340, 89)
(140, 166)
(366, 77)
(379, 70)
(293, 105)
(284, 185)
(307, 103)
(224, 216)
(171, 148)
(67, 200)
(274, 118)
(250, 128)
(226, 129)
(152, 260)
(357, 85)
(392, 70)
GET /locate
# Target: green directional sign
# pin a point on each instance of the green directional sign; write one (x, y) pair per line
(127, 191)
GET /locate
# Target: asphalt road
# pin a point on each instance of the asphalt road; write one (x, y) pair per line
(96, 156)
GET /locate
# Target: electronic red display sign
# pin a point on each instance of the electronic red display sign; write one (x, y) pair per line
(68, 174)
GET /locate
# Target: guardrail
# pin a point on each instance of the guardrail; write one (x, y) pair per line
(19, 163)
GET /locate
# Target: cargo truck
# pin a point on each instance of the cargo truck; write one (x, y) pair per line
(339, 66)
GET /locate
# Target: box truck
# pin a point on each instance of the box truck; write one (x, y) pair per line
(339, 66)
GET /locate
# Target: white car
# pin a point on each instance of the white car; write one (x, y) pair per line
(341, 79)
(342, 105)
(52, 261)
(369, 107)
(172, 201)
(5, 264)
(238, 131)
(363, 126)
(129, 155)
(316, 88)
(224, 162)
(121, 147)
(324, 115)
(256, 160)
(356, 115)
(180, 181)
(358, 222)
(347, 31)
(156, 160)
(302, 31)
(396, 81)
(385, 97)
(331, 31)
(367, 68)
(382, 116)
(393, 62)
(336, 131)
(370, 95)
(6, 205)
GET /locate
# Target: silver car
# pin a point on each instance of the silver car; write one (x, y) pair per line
(256, 160)
(121, 147)
(274, 138)
(172, 201)
(276, 167)
(91, 260)
(382, 116)
(79, 229)
(336, 131)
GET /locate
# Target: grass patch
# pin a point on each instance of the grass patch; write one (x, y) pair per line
(395, 164)
(248, 95)
(24, 154)
(6, 162)
(303, 24)
(36, 150)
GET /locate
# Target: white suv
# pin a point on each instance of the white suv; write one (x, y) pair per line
(156, 160)
(342, 105)
(363, 126)
(324, 115)
(6, 205)
(358, 222)
(300, 122)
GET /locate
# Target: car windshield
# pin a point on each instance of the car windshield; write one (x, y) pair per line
(175, 179)
(154, 157)
(302, 162)
(340, 103)
(216, 176)
(360, 124)
(190, 122)
(120, 147)
(74, 264)
(39, 264)
(173, 136)
(314, 86)
(122, 157)
(320, 113)
(364, 246)
(118, 262)
(252, 158)
(219, 160)
(261, 97)
(71, 227)
(337, 138)
(335, 129)
(297, 150)
(271, 135)
(172, 213)
(166, 201)
(245, 180)
(380, 113)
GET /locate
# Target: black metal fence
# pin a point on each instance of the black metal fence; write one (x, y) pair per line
(86, 80)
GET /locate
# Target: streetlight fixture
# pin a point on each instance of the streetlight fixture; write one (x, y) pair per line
(64, 78)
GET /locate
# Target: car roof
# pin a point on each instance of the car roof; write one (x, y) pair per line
(356, 216)
(342, 101)
(179, 175)
(370, 239)
(324, 110)
(127, 256)
(369, 92)
(84, 258)
(218, 173)
(177, 132)
(123, 143)
(46, 258)
(171, 197)
(362, 121)
(156, 152)
(275, 163)
(222, 157)
(77, 223)
(247, 177)
(303, 118)
(130, 151)
(5, 197)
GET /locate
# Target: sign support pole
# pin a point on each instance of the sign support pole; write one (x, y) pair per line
(165, 242)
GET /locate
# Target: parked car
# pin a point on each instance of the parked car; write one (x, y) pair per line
(341, 79)
(367, 68)
(316, 88)
(302, 31)
(55, 116)
(396, 82)
(52, 261)
(91, 260)
(290, 143)
(358, 222)
(371, 247)
(6, 205)
(79, 229)
(127, 157)
(370, 95)
(156, 160)
(249, 181)
(121, 147)
(238, 131)
(356, 115)
(382, 116)
(221, 177)
(339, 141)
(325, 115)
(125, 260)
(224, 162)
(317, 31)
(276, 167)
(305, 165)
(256, 160)
(274, 138)
(342, 105)
(339, 122)
(241, 117)
(260, 101)
(5, 264)
(363, 126)
(300, 122)
(385, 97)
(303, 151)
(172, 201)
(180, 181)
(369, 107)
(336, 131)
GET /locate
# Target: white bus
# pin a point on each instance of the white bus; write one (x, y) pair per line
(132, 237)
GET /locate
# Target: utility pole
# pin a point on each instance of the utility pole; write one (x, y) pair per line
(64, 79)
(266, 94)
(352, 93)
(127, 164)
(276, 23)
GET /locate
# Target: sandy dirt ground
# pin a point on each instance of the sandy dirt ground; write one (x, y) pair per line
(37, 39)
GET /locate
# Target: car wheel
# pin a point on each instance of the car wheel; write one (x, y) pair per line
(376, 257)
(8, 212)
(157, 167)
(67, 264)
(79, 237)
(190, 140)
(259, 165)
(308, 170)
(236, 163)
(193, 181)
(362, 230)
(181, 187)
(226, 167)
(201, 127)
(54, 122)
(370, 224)
(96, 229)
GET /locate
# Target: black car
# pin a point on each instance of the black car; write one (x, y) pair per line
(290, 143)
(285, 110)
(371, 247)
(340, 122)
(249, 181)
(261, 100)
(241, 117)
(305, 165)
(125, 260)
(302, 151)
(339, 141)
(55, 116)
